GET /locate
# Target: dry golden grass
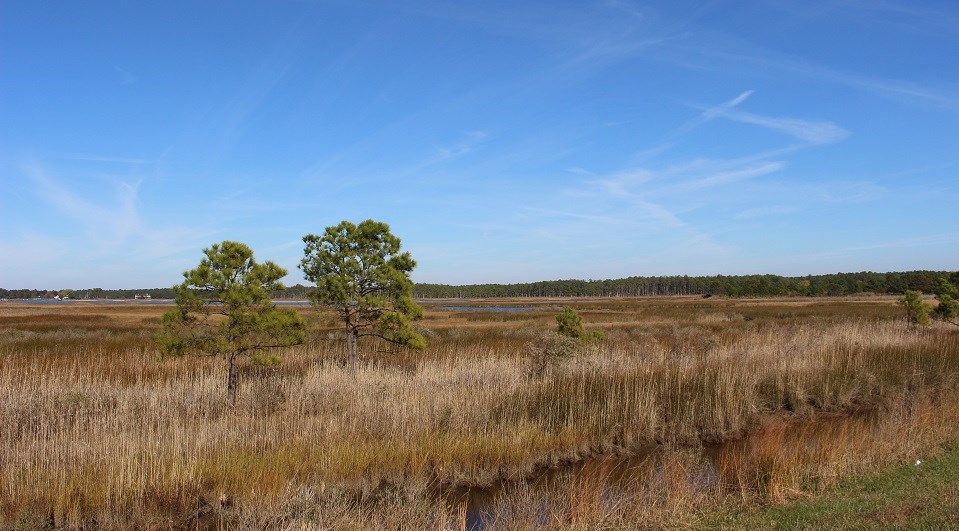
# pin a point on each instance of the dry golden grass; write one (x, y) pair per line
(99, 432)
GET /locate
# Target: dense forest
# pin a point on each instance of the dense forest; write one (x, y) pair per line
(731, 286)
(720, 285)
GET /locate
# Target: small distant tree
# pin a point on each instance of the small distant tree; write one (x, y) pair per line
(548, 351)
(947, 293)
(917, 311)
(361, 273)
(223, 309)
(570, 324)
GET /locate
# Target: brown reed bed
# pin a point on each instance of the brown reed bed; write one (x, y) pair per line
(685, 486)
(100, 433)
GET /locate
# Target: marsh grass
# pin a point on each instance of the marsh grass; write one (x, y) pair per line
(686, 486)
(99, 432)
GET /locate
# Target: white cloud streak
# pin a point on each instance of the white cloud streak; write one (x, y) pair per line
(709, 114)
(102, 158)
(126, 77)
(764, 211)
(112, 223)
(729, 177)
(808, 131)
(608, 220)
(724, 107)
(904, 91)
(812, 132)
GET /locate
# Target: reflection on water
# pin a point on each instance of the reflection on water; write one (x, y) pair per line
(652, 476)
(160, 302)
(485, 308)
(507, 309)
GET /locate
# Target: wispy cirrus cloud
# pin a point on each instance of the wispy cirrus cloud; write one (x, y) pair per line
(720, 178)
(579, 171)
(682, 178)
(621, 182)
(766, 210)
(813, 132)
(126, 77)
(722, 108)
(708, 114)
(98, 219)
(111, 221)
(667, 198)
(847, 192)
(897, 89)
(472, 142)
(625, 188)
(608, 220)
(169, 242)
(613, 49)
(810, 132)
(90, 157)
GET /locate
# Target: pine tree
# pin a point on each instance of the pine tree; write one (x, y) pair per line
(917, 311)
(223, 309)
(360, 272)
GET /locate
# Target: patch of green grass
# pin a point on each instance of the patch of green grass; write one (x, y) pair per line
(924, 496)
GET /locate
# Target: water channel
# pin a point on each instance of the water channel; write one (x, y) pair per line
(647, 475)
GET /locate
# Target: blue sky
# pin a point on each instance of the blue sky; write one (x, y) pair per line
(502, 141)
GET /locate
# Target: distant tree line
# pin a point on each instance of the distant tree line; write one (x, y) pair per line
(836, 284)
(91, 293)
(732, 286)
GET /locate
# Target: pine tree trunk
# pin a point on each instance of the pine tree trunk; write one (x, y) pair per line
(353, 341)
(231, 379)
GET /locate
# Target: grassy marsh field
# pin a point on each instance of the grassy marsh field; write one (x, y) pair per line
(686, 404)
